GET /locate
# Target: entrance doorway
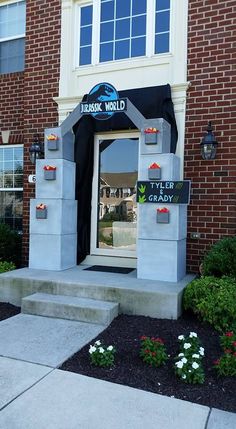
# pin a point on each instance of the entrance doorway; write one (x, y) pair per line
(114, 207)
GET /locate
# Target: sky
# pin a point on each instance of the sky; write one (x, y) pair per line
(121, 156)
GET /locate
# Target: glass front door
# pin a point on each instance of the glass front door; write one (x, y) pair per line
(114, 207)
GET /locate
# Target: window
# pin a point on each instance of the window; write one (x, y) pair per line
(86, 35)
(120, 29)
(11, 186)
(12, 37)
(162, 26)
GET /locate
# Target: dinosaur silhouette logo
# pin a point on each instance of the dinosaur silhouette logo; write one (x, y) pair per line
(102, 92)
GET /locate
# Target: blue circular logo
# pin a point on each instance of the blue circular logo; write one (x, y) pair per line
(102, 92)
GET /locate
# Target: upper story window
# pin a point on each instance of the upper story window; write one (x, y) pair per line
(12, 37)
(120, 29)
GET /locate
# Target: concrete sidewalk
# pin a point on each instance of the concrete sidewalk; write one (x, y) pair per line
(39, 396)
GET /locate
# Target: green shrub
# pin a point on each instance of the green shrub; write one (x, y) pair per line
(10, 245)
(101, 355)
(188, 365)
(221, 259)
(6, 266)
(213, 300)
(226, 365)
(153, 351)
(112, 216)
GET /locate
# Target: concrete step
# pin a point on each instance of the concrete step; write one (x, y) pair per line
(70, 307)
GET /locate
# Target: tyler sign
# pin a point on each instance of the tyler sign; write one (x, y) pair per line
(169, 192)
(103, 101)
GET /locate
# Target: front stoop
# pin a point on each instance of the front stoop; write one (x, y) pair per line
(159, 299)
(70, 307)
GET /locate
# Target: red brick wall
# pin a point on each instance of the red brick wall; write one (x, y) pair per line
(43, 27)
(12, 105)
(211, 97)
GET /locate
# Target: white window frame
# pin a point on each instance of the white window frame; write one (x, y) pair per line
(150, 35)
(17, 37)
(12, 146)
(14, 189)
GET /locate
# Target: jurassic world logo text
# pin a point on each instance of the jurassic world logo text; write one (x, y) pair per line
(103, 101)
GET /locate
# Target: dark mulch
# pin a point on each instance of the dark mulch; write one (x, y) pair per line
(125, 332)
(8, 310)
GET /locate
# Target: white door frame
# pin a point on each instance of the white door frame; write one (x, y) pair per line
(123, 257)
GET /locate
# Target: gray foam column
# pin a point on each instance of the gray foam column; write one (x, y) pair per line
(53, 240)
(161, 248)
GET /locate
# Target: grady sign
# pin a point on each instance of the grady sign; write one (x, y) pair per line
(103, 101)
(170, 192)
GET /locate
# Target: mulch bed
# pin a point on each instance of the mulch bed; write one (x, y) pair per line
(124, 333)
(8, 310)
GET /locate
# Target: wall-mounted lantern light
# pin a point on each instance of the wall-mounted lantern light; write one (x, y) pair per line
(36, 150)
(209, 144)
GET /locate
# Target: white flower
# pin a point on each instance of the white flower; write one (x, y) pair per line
(92, 349)
(180, 354)
(184, 376)
(195, 365)
(179, 364)
(110, 348)
(189, 370)
(98, 342)
(187, 346)
(192, 334)
(201, 351)
(181, 337)
(184, 360)
(196, 356)
(101, 350)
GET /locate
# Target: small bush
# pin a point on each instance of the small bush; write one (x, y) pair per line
(6, 266)
(220, 260)
(226, 365)
(153, 351)
(100, 355)
(10, 245)
(112, 216)
(213, 300)
(188, 365)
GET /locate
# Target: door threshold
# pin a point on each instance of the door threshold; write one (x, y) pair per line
(110, 261)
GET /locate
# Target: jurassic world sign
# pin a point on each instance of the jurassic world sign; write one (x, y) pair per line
(103, 101)
(168, 192)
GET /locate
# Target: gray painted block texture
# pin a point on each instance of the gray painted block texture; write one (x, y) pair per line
(63, 147)
(161, 249)
(52, 252)
(162, 260)
(169, 163)
(163, 137)
(63, 186)
(61, 217)
(149, 229)
(53, 239)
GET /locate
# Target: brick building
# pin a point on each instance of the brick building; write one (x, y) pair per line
(47, 64)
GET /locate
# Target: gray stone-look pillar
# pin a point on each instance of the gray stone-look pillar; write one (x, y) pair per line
(161, 247)
(53, 238)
